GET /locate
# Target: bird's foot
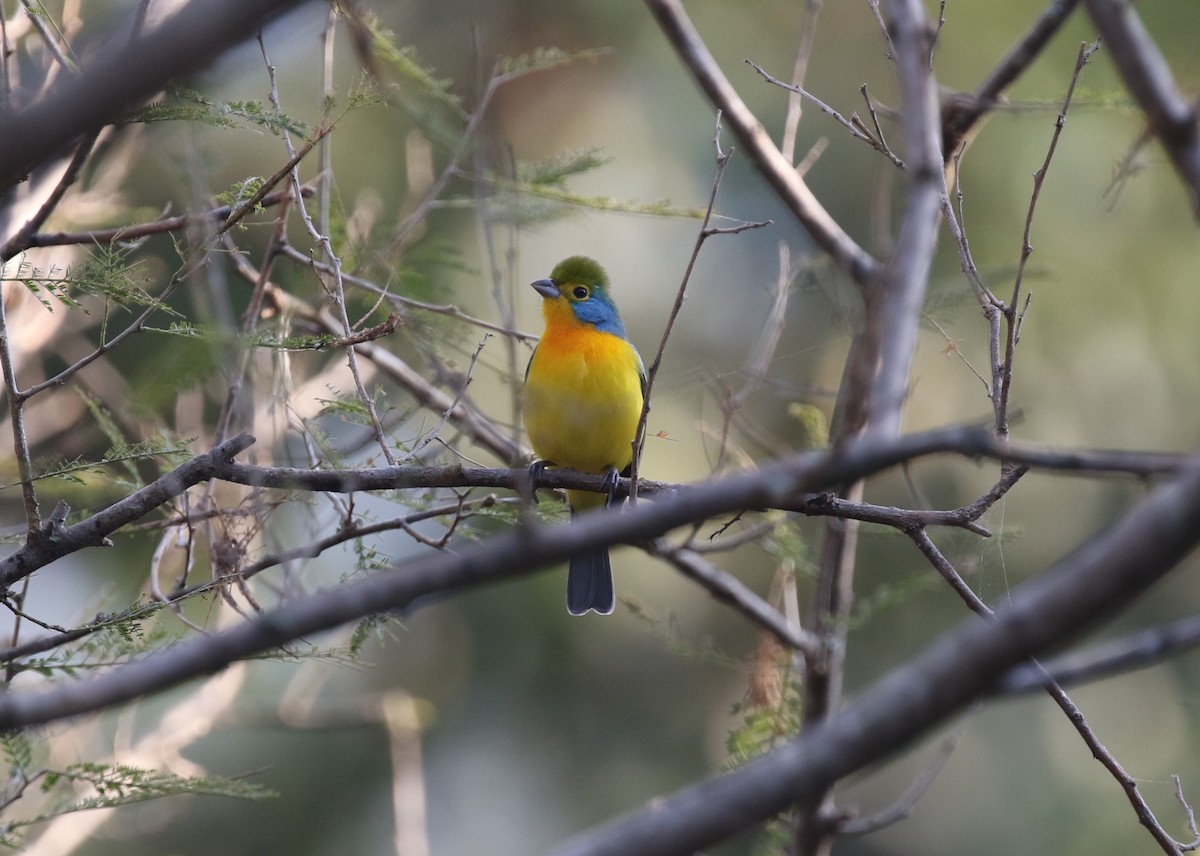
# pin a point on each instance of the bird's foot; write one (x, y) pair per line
(611, 479)
(535, 475)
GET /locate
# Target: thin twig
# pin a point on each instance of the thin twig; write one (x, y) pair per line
(722, 160)
(962, 116)
(446, 414)
(16, 416)
(141, 230)
(795, 106)
(21, 240)
(403, 301)
(1039, 178)
(337, 293)
(40, 23)
(916, 789)
(856, 129)
(729, 589)
(1139, 650)
(465, 417)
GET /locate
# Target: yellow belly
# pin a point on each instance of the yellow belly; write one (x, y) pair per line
(582, 400)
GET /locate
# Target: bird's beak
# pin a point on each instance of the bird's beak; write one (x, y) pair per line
(545, 287)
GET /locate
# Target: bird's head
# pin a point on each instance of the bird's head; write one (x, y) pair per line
(579, 286)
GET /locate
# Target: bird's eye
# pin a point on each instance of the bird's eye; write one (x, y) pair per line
(579, 292)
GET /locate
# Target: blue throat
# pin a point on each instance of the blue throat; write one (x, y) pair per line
(603, 316)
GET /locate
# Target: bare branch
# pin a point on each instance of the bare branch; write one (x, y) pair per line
(45, 547)
(137, 230)
(729, 589)
(795, 108)
(401, 300)
(1099, 751)
(518, 552)
(722, 159)
(1039, 179)
(51, 40)
(16, 416)
(22, 239)
(908, 800)
(858, 131)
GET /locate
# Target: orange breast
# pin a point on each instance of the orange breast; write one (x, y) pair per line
(583, 398)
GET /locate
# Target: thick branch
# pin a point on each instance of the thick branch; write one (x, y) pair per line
(780, 484)
(1103, 575)
(894, 302)
(516, 553)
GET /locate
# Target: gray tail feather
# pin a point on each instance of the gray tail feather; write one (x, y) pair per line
(590, 584)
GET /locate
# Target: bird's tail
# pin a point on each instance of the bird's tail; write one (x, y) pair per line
(590, 584)
(589, 575)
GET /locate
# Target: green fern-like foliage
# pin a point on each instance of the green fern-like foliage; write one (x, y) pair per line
(119, 784)
(188, 105)
(113, 785)
(50, 792)
(539, 194)
(109, 641)
(403, 62)
(122, 454)
(544, 59)
(108, 273)
(770, 715)
(554, 171)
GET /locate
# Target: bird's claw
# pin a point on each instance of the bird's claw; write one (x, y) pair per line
(611, 479)
(535, 474)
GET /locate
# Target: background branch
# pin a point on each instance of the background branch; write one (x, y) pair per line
(767, 158)
(1173, 119)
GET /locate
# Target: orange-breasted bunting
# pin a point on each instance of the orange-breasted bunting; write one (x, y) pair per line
(582, 402)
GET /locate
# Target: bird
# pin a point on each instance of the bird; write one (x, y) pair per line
(582, 402)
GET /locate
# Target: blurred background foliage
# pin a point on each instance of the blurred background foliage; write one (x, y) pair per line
(532, 725)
